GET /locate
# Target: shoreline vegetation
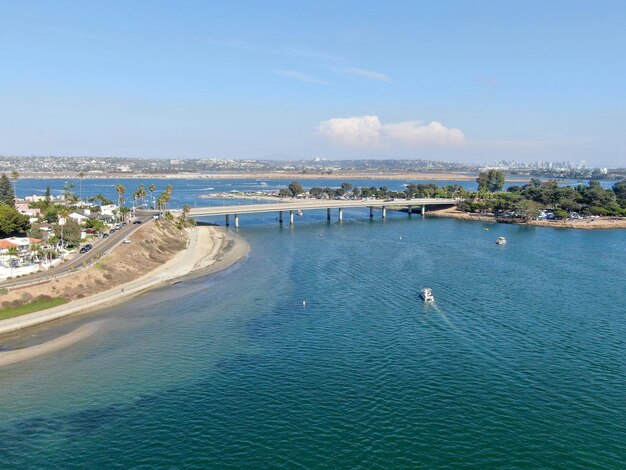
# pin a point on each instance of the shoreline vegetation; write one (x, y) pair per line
(158, 254)
(538, 203)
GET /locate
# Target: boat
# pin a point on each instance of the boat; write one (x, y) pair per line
(501, 241)
(427, 295)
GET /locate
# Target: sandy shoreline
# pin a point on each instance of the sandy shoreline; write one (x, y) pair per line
(600, 223)
(62, 342)
(210, 249)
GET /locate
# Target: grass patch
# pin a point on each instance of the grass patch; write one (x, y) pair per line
(10, 312)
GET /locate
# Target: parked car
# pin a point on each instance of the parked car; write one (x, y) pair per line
(86, 248)
(105, 235)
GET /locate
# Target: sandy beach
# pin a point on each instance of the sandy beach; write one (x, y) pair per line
(210, 249)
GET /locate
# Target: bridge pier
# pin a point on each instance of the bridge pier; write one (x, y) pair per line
(340, 214)
(328, 213)
(227, 220)
(384, 214)
(371, 212)
(236, 220)
(280, 217)
(423, 210)
(290, 217)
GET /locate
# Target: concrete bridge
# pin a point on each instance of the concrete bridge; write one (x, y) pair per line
(299, 205)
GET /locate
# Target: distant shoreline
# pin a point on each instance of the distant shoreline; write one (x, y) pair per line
(447, 176)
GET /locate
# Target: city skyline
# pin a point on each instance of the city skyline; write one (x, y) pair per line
(456, 81)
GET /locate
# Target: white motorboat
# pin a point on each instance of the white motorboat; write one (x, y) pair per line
(427, 295)
(501, 241)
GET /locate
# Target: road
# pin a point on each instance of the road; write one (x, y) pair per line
(308, 204)
(100, 246)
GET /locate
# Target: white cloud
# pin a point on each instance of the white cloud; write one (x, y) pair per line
(368, 131)
(363, 73)
(358, 131)
(415, 133)
(303, 77)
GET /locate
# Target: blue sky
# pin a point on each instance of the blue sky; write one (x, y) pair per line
(459, 80)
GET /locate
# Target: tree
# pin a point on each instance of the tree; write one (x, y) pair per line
(490, 181)
(15, 175)
(141, 193)
(295, 188)
(12, 222)
(347, 187)
(68, 195)
(561, 214)
(316, 192)
(96, 225)
(526, 210)
(120, 193)
(619, 189)
(35, 230)
(47, 196)
(69, 232)
(51, 215)
(284, 192)
(7, 194)
(152, 188)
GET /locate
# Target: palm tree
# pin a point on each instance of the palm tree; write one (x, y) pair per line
(142, 194)
(12, 252)
(161, 203)
(15, 175)
(169, 189)
(81, 175)
(120, 193)
(152, 188)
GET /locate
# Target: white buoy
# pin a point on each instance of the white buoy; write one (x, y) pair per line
(304, 303)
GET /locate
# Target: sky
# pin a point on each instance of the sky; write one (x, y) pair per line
(468, 81)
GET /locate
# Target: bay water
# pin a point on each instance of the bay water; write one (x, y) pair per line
(316, 352)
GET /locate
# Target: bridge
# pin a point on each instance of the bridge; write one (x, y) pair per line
(299, 205)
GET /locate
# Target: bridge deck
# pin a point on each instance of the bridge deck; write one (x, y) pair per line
(307, 204)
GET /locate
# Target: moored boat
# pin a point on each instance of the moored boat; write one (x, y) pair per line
(501, 241)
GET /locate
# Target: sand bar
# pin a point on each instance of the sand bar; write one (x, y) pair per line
(210, 249)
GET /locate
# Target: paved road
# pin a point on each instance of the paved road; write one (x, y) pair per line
(100, 246)
(308, 204)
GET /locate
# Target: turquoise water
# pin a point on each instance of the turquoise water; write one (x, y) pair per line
(521, 363)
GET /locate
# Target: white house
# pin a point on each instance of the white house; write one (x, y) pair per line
(81, 216)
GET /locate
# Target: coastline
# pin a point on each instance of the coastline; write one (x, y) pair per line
(210, 249)
(600, 223)
(448, 176)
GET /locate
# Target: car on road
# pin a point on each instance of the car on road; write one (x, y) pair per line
(86, 248)
(105, 235)
(136, 222)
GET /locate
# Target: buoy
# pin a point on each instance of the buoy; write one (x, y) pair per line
(304, 303)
